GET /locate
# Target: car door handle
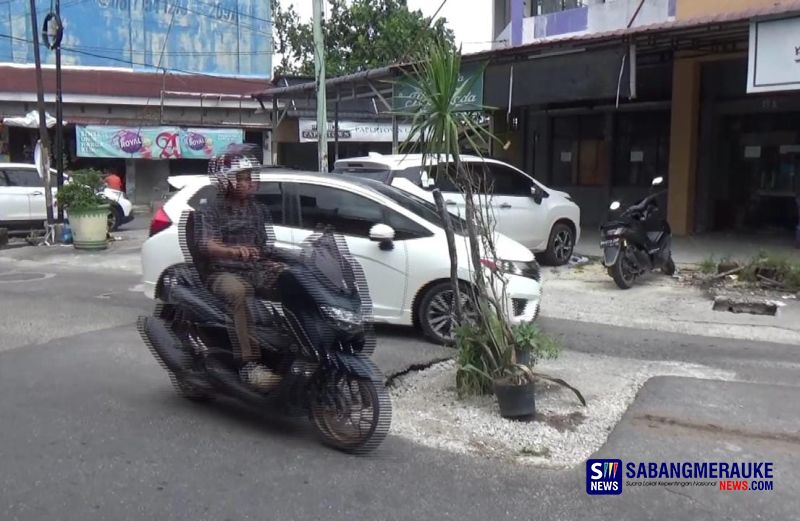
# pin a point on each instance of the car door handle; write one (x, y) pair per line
(505, 206)
(37, 193)
(451, 203)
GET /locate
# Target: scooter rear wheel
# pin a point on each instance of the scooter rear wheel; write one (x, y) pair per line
(358, 419)
(623, 277)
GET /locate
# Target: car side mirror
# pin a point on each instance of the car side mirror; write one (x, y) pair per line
(381, 232)
(537, 194)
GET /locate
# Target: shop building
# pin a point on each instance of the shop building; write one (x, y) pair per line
(172, 81)
(706, 94)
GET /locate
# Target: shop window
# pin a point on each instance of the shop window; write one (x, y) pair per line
(641, 148)
(540, 7)
(580, 151)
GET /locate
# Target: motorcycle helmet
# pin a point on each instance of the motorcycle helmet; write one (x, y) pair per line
(224, 169)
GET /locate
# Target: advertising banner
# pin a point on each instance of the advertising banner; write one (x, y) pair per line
(353, 132)
(153, 142)
(204, 143)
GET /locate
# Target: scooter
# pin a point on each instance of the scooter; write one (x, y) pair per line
(313, 330)
(638, 240)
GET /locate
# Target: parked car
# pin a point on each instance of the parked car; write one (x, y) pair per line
(397, 237)
(546, 221)
(22, 202)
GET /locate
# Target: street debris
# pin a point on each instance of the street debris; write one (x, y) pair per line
(563, 434)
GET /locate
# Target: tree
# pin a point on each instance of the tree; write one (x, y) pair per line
(486, 339)
(359, 35)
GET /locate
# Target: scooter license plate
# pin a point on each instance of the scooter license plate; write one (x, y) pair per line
(609, 242)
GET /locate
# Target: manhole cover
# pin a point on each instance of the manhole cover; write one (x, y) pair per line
(22, 276)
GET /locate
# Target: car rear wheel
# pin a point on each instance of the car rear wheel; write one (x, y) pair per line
(560, 246)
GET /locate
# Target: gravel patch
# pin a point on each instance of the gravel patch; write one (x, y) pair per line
(563, 434)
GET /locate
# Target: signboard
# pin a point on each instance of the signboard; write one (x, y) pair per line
(221, 37)
(354, 132)
(406, 97)
(154, 142)
(774, 63)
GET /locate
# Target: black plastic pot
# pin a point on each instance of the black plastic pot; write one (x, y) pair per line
(523, 357)
(516, 401)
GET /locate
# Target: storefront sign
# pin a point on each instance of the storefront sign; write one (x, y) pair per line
(407, 97)
(205, 143)
(774, 63)
(353, 132)
(153, 142)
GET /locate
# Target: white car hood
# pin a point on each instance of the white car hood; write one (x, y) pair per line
(510, 250)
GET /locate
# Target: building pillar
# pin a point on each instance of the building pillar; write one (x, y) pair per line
(684, 137)
(130, 179)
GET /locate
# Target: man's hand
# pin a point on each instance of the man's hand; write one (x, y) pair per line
(245, 252)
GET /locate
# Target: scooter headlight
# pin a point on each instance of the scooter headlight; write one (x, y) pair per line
(343, 317)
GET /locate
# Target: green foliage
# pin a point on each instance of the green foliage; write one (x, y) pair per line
(783, 270)
(359, 35)
(708, 266)
(531, 339)
(81, 193)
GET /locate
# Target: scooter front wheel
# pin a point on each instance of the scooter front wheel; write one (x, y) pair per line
(621, 273)
(352, 414)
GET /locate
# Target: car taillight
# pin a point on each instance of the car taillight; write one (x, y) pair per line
(160, 222)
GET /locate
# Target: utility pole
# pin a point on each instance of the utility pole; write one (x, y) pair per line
(322, 105)
(59, 114)
(44, 138)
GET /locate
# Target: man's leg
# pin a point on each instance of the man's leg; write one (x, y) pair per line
(234, 290)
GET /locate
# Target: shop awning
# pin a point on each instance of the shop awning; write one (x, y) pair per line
(29, 120)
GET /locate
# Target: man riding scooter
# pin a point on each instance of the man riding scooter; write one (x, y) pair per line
(232, 237)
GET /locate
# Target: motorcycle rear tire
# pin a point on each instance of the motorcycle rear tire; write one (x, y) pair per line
(669, 267)
(169, 314)
(378, 421)
(617, 272)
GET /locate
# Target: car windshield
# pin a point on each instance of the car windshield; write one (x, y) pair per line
(420, 207)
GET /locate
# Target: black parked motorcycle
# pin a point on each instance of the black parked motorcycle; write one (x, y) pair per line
(313, 330)
(637, 241)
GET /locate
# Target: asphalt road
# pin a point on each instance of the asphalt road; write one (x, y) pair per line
(91, 429)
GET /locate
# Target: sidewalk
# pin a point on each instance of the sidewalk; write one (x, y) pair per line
(587, 293)
(697, 248)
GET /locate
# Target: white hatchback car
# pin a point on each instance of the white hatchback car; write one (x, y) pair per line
(546, 221)
(23, 206)
(407, 265)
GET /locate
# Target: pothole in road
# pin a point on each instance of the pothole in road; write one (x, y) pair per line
(750, 307)
(24, 277)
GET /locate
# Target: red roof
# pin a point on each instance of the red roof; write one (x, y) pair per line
(111, 82)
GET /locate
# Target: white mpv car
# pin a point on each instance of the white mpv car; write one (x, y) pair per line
(546, 221)
(23, 206)
(405, 260)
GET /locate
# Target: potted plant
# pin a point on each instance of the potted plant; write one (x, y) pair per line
(87, 211)
(487, 342)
